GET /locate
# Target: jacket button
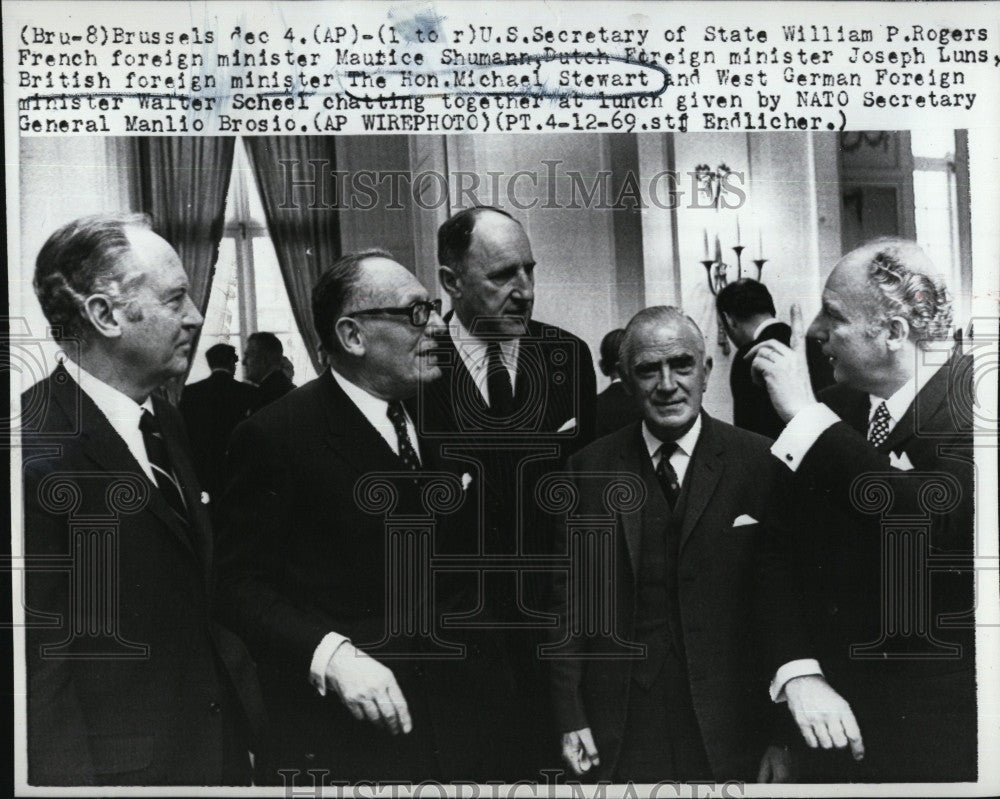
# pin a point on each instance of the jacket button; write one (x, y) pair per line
(215, 707)
(310, 756)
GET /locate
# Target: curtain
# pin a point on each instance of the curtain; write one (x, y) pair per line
(183, 183)
(293, 174)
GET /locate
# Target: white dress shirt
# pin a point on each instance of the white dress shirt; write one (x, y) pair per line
(122, 412)
(681, 457)
(375, 410)
(791, 447)
(764, 326)
(472, 351)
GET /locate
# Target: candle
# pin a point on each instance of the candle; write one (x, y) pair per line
(760, 244)
(704, 232)
(738, 239)
(718, 250)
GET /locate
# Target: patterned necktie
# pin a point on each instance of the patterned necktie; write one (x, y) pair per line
(879, 429)
(498, 382)
(407, 453)
(156, 450)
(667, 476)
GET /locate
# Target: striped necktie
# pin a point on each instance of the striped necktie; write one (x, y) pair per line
(166, 479)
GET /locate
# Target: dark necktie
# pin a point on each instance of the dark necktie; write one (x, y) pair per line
(667, 476)
(156, 450)
(879, 430)
(498, 382)
(407, 453)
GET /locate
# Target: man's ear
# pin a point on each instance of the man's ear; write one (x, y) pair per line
(348, 333)
(708, 371)
(899, 333)
(450, 281)
(100, 312)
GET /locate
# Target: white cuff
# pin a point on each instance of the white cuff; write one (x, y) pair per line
(792, 669)
(321, 657)
(801, 433)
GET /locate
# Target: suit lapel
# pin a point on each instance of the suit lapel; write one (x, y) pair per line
(632, 456)
(926, 404)
(100, 443)
(351, 434)
(703, 475)
(198, 530)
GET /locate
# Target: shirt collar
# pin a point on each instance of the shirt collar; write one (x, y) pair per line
(374, 408)
(903, 397)
(685, 444)
(473, 350)
(119, 409)
(764, 326)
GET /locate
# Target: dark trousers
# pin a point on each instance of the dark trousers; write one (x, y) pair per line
(662, 740)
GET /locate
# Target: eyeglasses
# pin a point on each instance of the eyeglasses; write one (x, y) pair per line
(419, 313)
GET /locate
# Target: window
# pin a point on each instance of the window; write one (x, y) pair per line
(936, 172)
(248, 293)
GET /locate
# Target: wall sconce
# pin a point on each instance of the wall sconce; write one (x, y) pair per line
(716, 269)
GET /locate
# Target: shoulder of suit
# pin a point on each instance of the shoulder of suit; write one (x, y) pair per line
(838, 396)
(544, 331)
(599, 452)
(737, 439)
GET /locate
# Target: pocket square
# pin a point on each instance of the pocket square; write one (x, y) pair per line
(466, 480)
(900, 461)
(743, 520)
(569, 424)
(205, 498)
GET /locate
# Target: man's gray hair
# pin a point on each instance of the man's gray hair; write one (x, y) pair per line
(655, 314)
(905, 284)
(84, 257)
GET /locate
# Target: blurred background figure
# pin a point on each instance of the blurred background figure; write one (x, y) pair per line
(747, 312)
(288, 368)
(211, 409)
(615, 407)
(262, 366)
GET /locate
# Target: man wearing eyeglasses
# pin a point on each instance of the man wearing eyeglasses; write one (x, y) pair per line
(302, 565)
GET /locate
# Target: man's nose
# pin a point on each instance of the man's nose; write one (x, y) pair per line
(524, 288)
(192, 316)
(667, 382)
(816, 329)
(435, 324)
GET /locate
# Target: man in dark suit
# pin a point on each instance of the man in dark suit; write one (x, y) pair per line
(130, 682)
(747, 312)
(615, 408)
(211, 409)
(516, 396)
(879, 542)
(674, 691)
(262, 366)
(304, 555)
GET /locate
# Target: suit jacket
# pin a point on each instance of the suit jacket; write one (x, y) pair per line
(155, 699)
(615, 409)
(211, 409)
(729, 477)
(300, 557)
(272, 387)
(913, 692)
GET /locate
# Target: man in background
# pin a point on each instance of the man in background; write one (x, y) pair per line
(876, 553)
(130, 682)
(747, 312)
(211, 409)
(262, 367)
(615, 408)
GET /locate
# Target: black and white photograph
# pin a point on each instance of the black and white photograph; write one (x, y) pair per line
(503, 399)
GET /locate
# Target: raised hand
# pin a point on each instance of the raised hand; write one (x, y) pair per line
(783, 370)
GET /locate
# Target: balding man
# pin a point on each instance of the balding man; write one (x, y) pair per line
(880, 532)
(302, 566)
(516, 397)
(130, 682)
(673, 693)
